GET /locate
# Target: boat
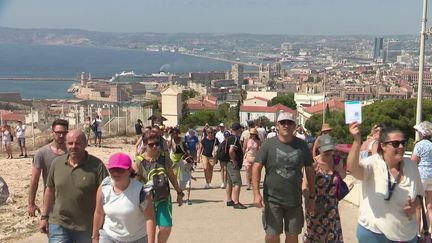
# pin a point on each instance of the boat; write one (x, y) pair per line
(127, 77)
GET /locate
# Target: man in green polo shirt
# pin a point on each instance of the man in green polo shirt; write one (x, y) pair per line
(72, 183)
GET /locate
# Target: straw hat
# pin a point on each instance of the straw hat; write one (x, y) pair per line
(325, 127)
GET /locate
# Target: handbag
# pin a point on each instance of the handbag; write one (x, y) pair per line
(425, 236)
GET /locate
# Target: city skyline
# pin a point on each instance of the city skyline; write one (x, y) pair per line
(297, 17)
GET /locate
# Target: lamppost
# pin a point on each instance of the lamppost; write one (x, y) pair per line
(423, 34)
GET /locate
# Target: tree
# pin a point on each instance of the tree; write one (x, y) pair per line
(392, 113)
(264, 121)
(187, 94)
(286, 100)
(199, 118)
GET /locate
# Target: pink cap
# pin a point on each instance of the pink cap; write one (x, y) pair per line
(119, 160)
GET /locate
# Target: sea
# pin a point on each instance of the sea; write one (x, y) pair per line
(49, 61)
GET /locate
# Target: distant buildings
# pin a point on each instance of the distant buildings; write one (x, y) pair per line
(378, 53)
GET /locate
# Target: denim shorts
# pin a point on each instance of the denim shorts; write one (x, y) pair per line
(105, 238)
(57, 233)
(366, 236)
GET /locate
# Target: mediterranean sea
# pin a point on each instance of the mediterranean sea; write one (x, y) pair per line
(46, 61)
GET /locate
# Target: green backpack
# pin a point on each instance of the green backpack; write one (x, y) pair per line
(154, 174)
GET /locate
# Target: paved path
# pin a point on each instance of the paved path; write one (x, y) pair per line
(209, 220)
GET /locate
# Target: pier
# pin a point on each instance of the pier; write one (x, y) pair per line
(39, 78)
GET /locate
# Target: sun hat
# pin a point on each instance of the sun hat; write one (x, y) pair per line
(119, 160)
(424, 128)
(326, 143)
(285, 116)
(325, 127)
(253, 130)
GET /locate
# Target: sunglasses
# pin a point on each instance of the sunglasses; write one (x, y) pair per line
(396, 143)
(286, 122)
(153, 144)
(60, 132)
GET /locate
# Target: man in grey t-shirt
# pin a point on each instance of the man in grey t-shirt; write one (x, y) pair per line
(284, 157)
(43, 159)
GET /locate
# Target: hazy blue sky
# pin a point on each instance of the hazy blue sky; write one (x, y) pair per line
(375, 17)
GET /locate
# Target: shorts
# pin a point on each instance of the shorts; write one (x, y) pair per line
(21, 142)
(233, 175)
(6, 143)
(185, 184)
(105, 238)
(275, 217)
(206, 161)
(98, 135)
(366, 236)
(193, 153)
(223, 163)
(163, 213)
(427, 184)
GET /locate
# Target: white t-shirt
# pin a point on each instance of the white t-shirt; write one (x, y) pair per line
(261, 133)
(124, 218)
(20, 131)
(219, 135)
(388, 217)
(271, 134)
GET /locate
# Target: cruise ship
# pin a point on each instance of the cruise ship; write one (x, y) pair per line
(127, 77)
(132, 77)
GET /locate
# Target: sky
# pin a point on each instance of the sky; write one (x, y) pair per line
(309, 17)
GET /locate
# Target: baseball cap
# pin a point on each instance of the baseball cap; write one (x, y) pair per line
(286, 116)
(119, 160)
(236, 126)
(326, 143)
(221, 125)
(226, 133)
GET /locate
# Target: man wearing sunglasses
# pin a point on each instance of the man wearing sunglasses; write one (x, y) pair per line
(284, 157)
(43, 159)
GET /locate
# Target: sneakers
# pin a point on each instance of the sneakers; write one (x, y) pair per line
(222, 186)
(239, 206)
(206, 186)
(248, 188)
(188, 202)
(230, 203)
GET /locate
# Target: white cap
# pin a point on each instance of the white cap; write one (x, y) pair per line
(221, 125)
(286, 116)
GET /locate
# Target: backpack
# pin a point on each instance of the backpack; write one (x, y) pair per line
(93, 126)
(222, 152)
(154, 174)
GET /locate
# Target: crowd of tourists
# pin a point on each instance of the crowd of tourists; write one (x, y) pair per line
(129, 199)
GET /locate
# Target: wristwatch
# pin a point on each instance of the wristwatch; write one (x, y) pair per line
(44, 217)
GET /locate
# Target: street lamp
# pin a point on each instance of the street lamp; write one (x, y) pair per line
(424, 32)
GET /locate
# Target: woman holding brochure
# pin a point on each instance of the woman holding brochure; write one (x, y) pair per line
(391, 188)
